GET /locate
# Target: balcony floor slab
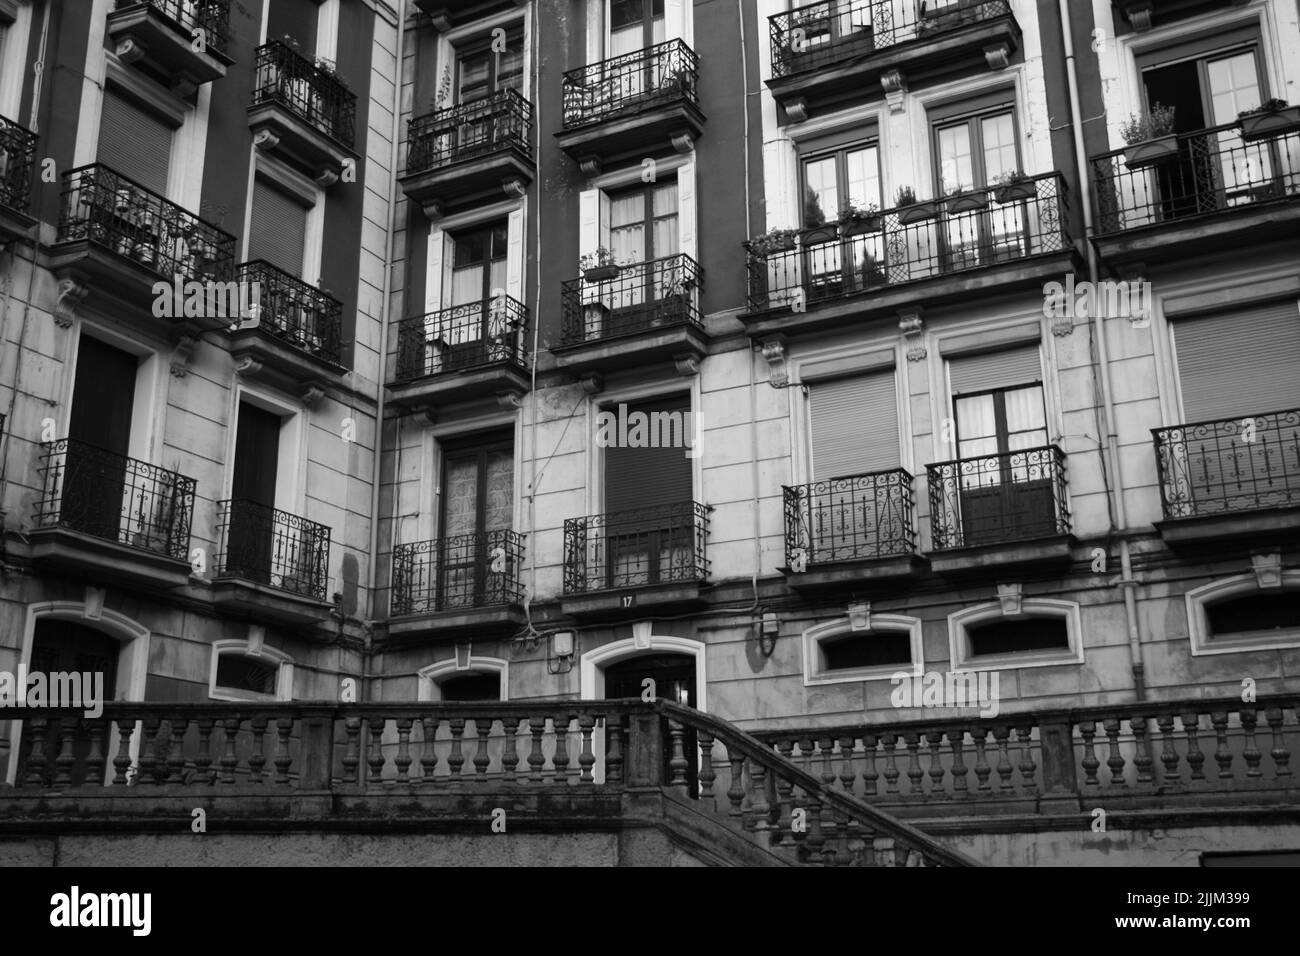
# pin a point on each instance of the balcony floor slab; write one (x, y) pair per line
(634, 602)
(498, 620)
(864, 573)
(105, 561)
(1047, 554)
(1249, 528)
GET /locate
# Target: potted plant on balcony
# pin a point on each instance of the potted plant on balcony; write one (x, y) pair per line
(857, 219)
(909, 210)
(1271, 118)
(960, 199)
(599, 266)
(1013, 186)
(872, 271)
(772, 241)
(1149, 137)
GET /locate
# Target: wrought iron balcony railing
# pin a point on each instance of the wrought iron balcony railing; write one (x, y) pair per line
(260, 544)
(107, 495)
(855, 518)
(817, 35)
(1208, 171)
(631, 299)
(17, 154)
(461, 337)
(659, 75)
(469, 131)
(464, 571)
(998, 499)
(1229, 467)
(627, 549)
(110, 210)
(316, 96)
(293, 311)
(975, 230)
(210, 16)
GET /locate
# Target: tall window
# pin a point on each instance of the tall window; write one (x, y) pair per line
(482, 71)
(831, 181)
(474, 329)
(477, 506)
(643, 231)
(971, 153)
(635, 25)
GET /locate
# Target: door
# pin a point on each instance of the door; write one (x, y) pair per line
(674, 680)
(473, 332)
(483, 72)
(251, 539)
(972, 153)
(477, 514)
(70, 647)
(848, 177)
(97, 498)
(634, 25)
(644, 238)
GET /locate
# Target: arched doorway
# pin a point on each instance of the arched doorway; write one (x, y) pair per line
(674, 679)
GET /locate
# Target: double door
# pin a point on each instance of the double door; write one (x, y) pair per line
(475, 553)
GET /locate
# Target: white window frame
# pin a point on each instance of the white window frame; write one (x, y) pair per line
(815, 672)
(959, 645)
(1205, 643)
(259, 652)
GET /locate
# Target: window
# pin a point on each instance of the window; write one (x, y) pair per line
(1266, 614)
(473, 678)
(482, 71)
(865, 649)
(278, 229)
(851, 174)
(643, 223)
(134, 141)
(477, 508)
(1042, 632)
(470, 687)
(635, 25)
(837, 264)
(1240, 363)
(1245, 613)
(854, 424)
(248, 670)
(1017, 636)
(641, 226)
(970, 154)
(835, 653)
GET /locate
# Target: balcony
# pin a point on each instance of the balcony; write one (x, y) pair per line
(997, 511)
(828, 55)
(462, 353)
(123, 239)
(636, 105)
(291, 334)
(469, 153)
(451, 586)
(1212, 190)
(641, 313)
(163, 36)
(112, 518)
(271, 564)
(1231, 480)
(940, 251)
(629, 561)
(854, 531)
(17, 155)
(302, 113)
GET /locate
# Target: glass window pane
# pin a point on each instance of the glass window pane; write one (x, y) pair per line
(466, 285)
(1025, 409)
(999, 135)
(1234, 87)
(955, 168)
(665, 200)
(821, 197)
(975, 417)
(863, 168)
(470, 248)
(474, 72)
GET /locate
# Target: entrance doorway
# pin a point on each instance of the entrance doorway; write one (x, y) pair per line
(674, 680)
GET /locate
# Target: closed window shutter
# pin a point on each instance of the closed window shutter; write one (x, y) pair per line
(968, 374)
(854, 425)
(134, 142)
(1240, 364)
(649, 477)
(279, 229)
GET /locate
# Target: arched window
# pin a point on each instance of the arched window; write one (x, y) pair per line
(249, 671)
(1039, 632)
(472, 678)
(1238, 614)
(834, 652)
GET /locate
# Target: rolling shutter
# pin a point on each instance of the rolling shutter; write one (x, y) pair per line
(1240, 364)
(648, 477)
(279, 229)
(854, 425)
(968, 374)
(134, 142)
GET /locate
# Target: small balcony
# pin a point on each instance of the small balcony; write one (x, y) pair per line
(854, 531)
(1232, 480)
(112, 518)
(470, 153)
(462, 353)
(291, 332)
(465, 583)
(1201, 193)
(627, 316)
(17, 155)
(638, 104)
(830, 54)
(985, 240)
(123, 239)
(271, 564)
(164, 37)
(625, 562)
(302, 113)
(995, 511)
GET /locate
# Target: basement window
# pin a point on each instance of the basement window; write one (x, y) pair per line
(467, 687)
(1018, 636)
(1271, 613)
(243, 672)
(859, 649)
(835, 653)
(1042, 632)
(1236, 614)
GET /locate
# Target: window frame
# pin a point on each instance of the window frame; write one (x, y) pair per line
(262, 653)
(477, 45)
(1199, 633)
(840, 152)
(815, 672)
(961, 657)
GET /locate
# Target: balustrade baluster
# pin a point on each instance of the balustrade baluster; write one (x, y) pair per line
(1195, 759)
(229, 759)
(456, 759)
(176, 751)
(1222, 754)
(587, 758)
(785, 797)
(830, 823)
(1000, 734)
(867, 855)
(914, 772)
(815, 839)
(257, 760)
(1249, 749)
(65, 737)
(403, 759)
(429, 749)
(510, 749)
(849, 776)
(934, 745)
(707, 774)
(1088, 731)
(1168, 752)
(352, 751)
(375, 759)
(956, 741)
(736, 789)
(677, 763)
(1142, 760)
(982, 768)
(536, 759)
(890, 742)
(1116, 760)
(284, 725)
(122, 762)
(36, 728)
(95, 758)
(482, 727)
(1028, 769)
(203, 758)
(614, 742)
(760, 811)
(1280, 754)
(560, 761)
(149, 751)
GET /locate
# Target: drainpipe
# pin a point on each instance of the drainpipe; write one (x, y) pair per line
(1119, 515)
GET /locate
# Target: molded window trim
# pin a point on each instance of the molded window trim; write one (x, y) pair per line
(814, 669)
(1203, 640)
(959, 642)
(261, 653)
(432, 675)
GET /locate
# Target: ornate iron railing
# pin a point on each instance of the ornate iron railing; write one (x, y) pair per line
(910, 243)
(849, 519)
(17, 154)
(316, 96)
(463, 571)
(260, 544)
(659, 75)
(119, 499)
(487, 332)
(104, 207)
(995, 499)
(1207, 171)
(631, 548)
(501, 122)
(293, 311)
(1229, 466)
(210, 16)
(639, 296)
(817, 35)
